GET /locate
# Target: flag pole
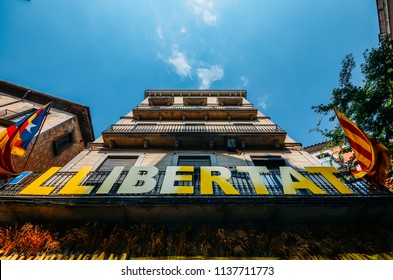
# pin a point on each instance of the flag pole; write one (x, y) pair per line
(32, 148)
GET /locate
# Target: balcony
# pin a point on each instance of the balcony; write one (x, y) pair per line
(193, 135)
(193, 112)
(158, 101)
(195, 93)
(154, 128)
(230, 101)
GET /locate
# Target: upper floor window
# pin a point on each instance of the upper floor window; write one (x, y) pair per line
(62, 143)
(271, 162)
(107, 163)
(196, 160)
(111, 161)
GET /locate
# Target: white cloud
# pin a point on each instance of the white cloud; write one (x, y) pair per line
(183, 30)
(159, 33)
(207, 76)
(179, 61)
(209, 18)
(261, 102)
(244, 80)
(203, 9)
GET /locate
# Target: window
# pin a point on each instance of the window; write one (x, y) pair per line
(106, 165)
(112, 161)
(62, 143)
(271, 162)
(196, 160)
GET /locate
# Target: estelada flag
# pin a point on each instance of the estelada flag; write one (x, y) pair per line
(372, 156)
(15, 139)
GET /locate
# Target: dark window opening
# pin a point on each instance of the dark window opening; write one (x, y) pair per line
(98, 177)
(112, 161)
(271, 163)
(196, 161)
(62, 143)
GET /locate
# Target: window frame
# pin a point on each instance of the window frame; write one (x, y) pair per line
(100, 162)
(213, 158)
(58, 150)
(250, 161)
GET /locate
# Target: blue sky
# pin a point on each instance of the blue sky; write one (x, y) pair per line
(103, 54)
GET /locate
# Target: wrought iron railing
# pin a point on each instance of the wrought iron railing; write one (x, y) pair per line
(195, 108)
(193, 128)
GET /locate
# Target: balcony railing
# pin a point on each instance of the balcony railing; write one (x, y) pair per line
(195, 108)
(193, 128)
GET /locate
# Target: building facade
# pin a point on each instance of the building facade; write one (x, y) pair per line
(196, 156)
(212, 128)
(65, 133)
(385, 18)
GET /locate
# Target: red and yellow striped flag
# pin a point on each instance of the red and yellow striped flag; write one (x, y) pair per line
(372, 156)
(360, 143)
(379, 172)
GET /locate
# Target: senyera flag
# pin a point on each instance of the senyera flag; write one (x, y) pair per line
(372, 156)
(15, 139)
(381, 167)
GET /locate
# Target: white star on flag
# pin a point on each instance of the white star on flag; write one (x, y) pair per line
(30, 126)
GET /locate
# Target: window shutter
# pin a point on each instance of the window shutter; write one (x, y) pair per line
(195, 161)
(111, 162)
(271, 163)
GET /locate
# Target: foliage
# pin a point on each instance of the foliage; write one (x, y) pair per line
(28, 239)
(370, 105)
(106, 241)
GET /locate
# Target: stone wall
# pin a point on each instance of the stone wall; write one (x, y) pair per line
(43, 155)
